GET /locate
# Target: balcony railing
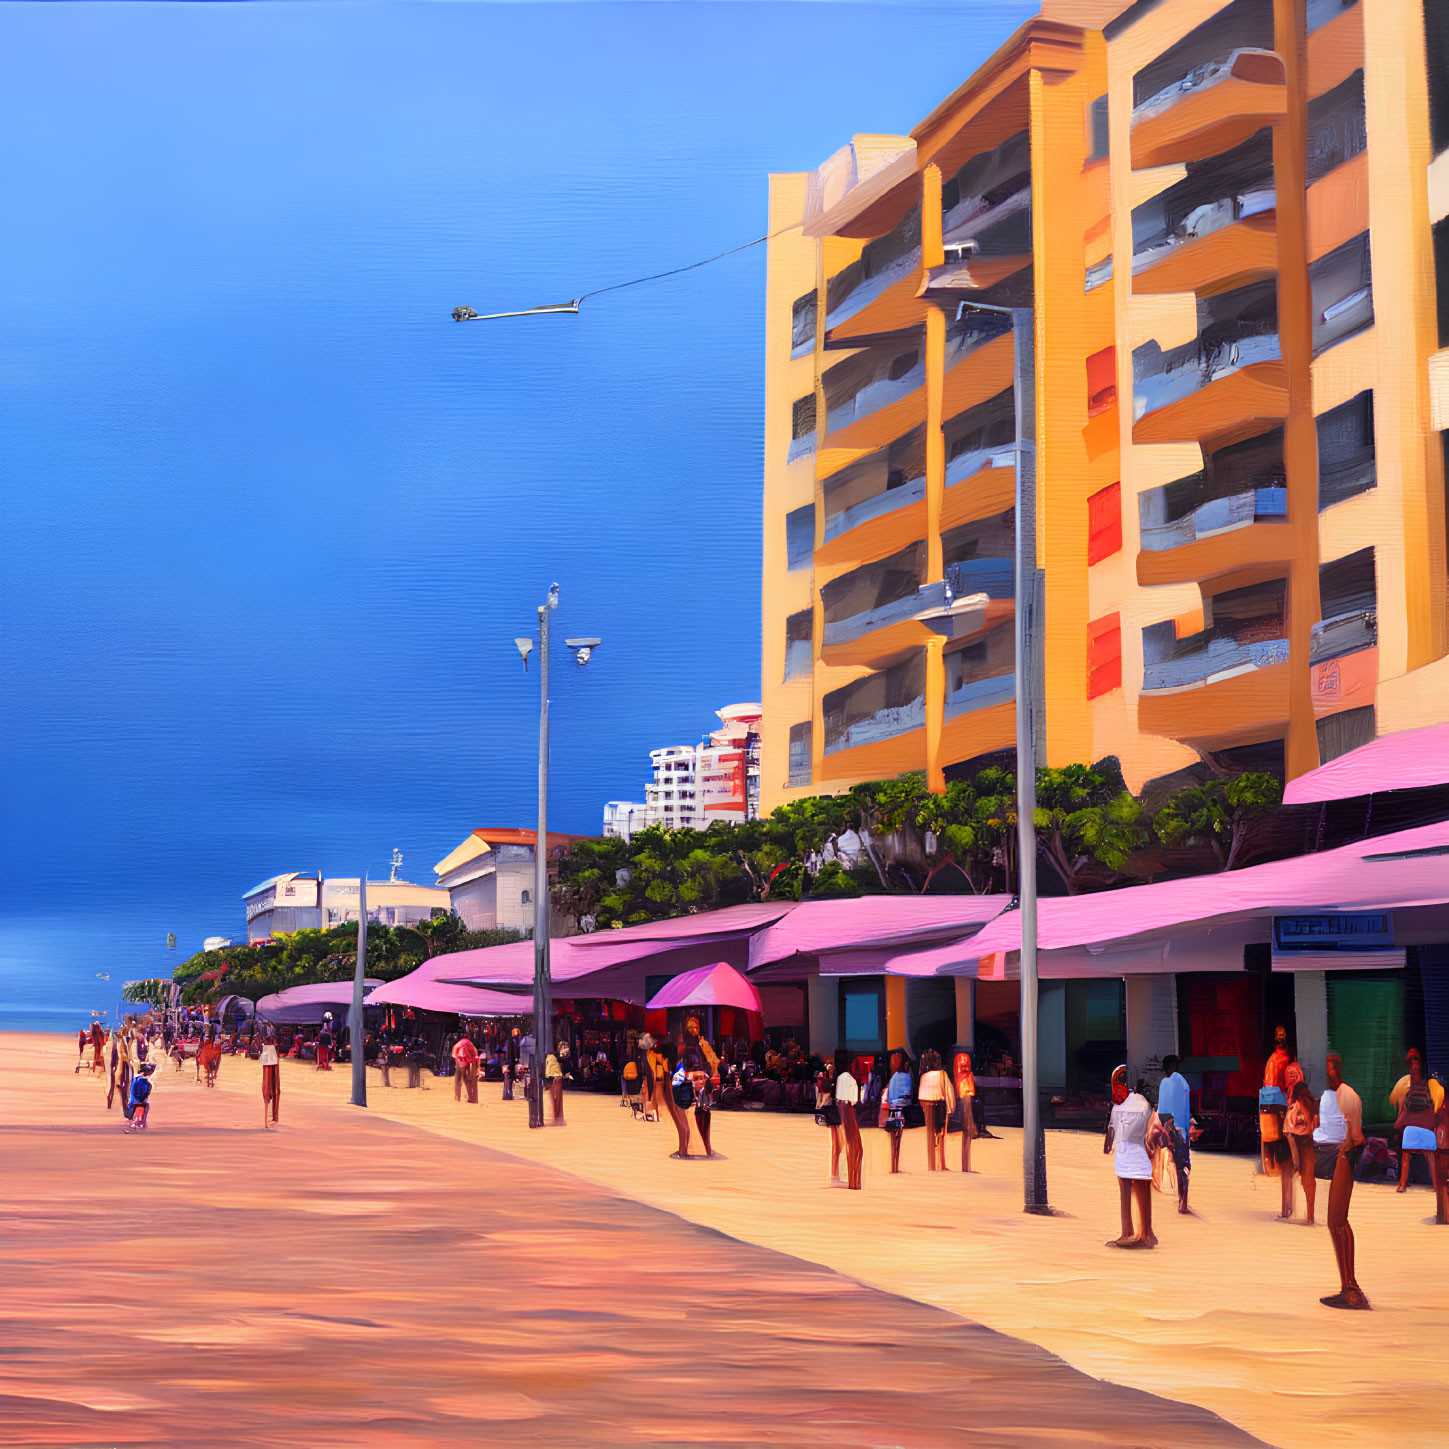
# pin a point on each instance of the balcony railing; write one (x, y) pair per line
(843, 631)
(884, 724)
(1185, 370)
(874, 396)
(1203, 221)
(964, 465)
(1217, 516)
(865, 291)
(994, 577)
(980, 694)
(1343, 634)
(913, 490)
(1247, 63)
(1197, 663)
(971, 221)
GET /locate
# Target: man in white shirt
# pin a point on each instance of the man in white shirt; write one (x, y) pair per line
(1132, 1132)
(1340, 1192)
(847, 1097)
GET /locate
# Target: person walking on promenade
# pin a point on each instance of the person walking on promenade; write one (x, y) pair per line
(1418, 1097)
(1174, 1142)
(964, 1080)
(324, 1044)
(1340, 1191)
(98, 1048)
(1301, 1120)
(271, 1077)
(465, 1069)
(894, 1103)
(664, 1101)
(1174, 1099)
(553, 1080)
(127, 1065)
(83, 1040)
(702, 1067)
(937, 1098)
(138, 1100)
(1272, 1108)
(827, 1114)
(1132, 1135)
(847, 1098)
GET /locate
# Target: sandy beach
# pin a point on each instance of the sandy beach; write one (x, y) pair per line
(563, 1281)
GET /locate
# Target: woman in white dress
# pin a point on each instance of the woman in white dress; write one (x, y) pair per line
(1133, 1134)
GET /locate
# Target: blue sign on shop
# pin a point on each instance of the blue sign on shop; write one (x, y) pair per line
(1341, 931)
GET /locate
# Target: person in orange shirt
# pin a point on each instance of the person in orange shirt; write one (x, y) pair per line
(1340, 1190)
(965, 1080)
(1272, 1108)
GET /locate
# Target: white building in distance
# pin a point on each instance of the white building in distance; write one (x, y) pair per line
(300, 900)
(694, 785)
(488, 879)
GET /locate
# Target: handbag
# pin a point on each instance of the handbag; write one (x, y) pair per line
(828, 1115)
(683, 1089)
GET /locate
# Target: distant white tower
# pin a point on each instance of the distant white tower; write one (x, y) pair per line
(396, 863)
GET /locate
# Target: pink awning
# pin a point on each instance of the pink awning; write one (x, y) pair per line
(303, 1005)
(425, 990)
(1407, 869)
(816, 928)
(1409, 760)
(717, 985)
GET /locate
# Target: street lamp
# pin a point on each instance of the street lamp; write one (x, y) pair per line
(1027, 649)
(542, 985)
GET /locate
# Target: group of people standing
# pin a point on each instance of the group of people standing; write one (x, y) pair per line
(1304, 1139)
(839, 1102)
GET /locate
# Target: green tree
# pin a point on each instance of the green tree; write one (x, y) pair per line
(1086, 816)
(1219, 813)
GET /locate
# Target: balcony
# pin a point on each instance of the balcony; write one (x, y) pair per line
(1341, 284)
(981, 694)
(982, 437)
(1224, 383)
(978, 361)
(879, 707)
(1247, 634)
(1208, 542)
(871, 383)
(1212, 108)
(889, 484)
(885, 274)
(1212, 231)
(1343, 634)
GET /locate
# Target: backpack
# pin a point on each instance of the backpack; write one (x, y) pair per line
(1418, 1099)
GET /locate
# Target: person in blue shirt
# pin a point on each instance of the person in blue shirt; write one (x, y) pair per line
(1174, 1098)
(138, 1100)
(897, 1096)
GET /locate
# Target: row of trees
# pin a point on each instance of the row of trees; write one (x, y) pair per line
(329, 954)
(1092, 833)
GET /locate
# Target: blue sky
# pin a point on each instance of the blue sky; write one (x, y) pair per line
(272, 521)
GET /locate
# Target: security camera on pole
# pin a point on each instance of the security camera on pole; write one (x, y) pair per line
(542, 985)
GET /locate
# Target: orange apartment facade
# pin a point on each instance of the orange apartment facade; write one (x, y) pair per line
(1227, 222)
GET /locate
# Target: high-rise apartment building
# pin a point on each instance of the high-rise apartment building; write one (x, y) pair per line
(1216, 228)
(695, 785)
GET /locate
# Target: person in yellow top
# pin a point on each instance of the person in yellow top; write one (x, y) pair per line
(1417, 1097)
(553, 1075)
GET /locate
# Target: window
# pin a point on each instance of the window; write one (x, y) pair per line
(1346, 450)
(1345, 731)
(1104, 523)
(1098, 275)
(1097, 129)
(526, 897)
(1436, 38)
(1104, 655)
(799, 642)
(800, 537)
(862, 1015)
(1441, 272)
(1101, 381)
(802, 325)
(802, 426)
(800, 736)
(1337, 127)
(1343, 296)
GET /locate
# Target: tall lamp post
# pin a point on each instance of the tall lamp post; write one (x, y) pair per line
(542, 982)
(354, 1015)
(1028, 644)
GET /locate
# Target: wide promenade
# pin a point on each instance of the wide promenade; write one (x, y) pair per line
(352, 1280)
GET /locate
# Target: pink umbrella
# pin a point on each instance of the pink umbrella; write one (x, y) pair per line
(717, 985)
